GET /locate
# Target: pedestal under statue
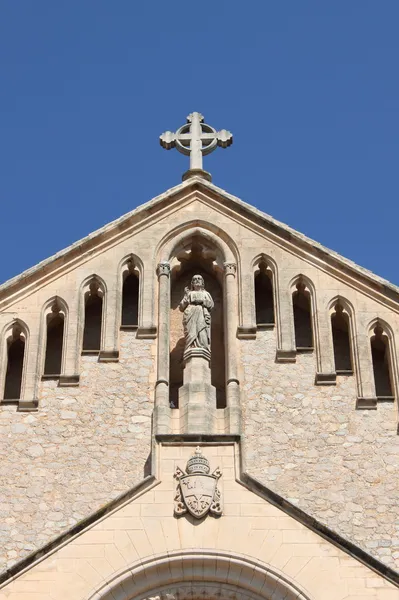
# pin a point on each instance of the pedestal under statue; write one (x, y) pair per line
(197, 397)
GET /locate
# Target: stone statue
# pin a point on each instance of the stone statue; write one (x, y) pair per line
(197, 304)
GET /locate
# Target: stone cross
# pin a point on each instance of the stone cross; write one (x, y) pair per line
(196, 139)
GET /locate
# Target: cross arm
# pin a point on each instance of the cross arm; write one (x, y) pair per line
(224, 138)
(167, 140)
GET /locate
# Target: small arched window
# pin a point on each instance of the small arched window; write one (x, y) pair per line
(130, 297)
(15, 364)
(264, 299)
(55, 322)
(93, 318)
(302, 307)
(341, 341)
(381, 364)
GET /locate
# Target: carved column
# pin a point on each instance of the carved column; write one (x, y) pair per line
(31, 376)
(233, 410)
(72, 349)
(364, 366)
(162, 409)
(286, 349)
(325, 374)
(109, 351)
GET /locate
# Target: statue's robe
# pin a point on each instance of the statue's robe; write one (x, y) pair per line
(197, 319)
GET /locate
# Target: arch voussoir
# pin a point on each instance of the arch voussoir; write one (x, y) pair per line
(188, 574)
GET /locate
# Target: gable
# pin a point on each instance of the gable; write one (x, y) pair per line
(305, 427)
(138, 219)
(295, 562)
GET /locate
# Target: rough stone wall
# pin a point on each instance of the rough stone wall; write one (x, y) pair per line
(83, 447)
(309, 444)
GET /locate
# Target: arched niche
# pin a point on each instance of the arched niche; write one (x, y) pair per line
(15, 346)
(199, 249)
(303, 305)
(382, 346)
(342, 338)
(53, 336)
(265, 276)
(191, 574)
(130, 292)
(197, 256)
(93, 298)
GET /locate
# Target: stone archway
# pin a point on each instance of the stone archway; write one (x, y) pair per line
(201, 574)
(219, 258)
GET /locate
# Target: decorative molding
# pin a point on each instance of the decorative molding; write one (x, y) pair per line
(196, 173)
(129, 327)
(28, 405)
(326, 379)
(200, 573)
(230, 268)
(22, 405)
(246, 332)
(146, 333)
(285, 356)
(108, 356)
(163, 268)
(265, 326)
(366, 403)
(69, 380)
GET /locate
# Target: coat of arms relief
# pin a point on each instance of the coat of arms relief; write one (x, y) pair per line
(197, 491)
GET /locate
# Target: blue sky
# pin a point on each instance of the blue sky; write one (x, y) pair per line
(309, 90)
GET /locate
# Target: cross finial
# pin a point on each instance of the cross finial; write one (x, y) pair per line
(195, 139)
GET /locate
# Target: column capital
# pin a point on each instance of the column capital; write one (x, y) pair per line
(230, 268)
(163, 268)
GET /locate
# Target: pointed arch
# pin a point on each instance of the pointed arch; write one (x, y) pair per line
(219, 257)
(205, 229)
(93, 300)
(130, 292)
(14, 353)
(265, 290)
(344, 338)
(236, 576)
(383, 359)
(303, 294)
(52, 337)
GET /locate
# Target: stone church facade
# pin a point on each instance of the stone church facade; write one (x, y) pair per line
(293, 414)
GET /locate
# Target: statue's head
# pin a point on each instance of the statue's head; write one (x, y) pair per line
(197, 283)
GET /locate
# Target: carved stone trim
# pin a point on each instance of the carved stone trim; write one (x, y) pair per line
(196, 173)
(68, 381)
(146, 333)
(108, 356)
(326, 379)
(197, 491)
(246, 332)
(286, 356)
(163, 268)
(198, 589)
(230, 268)
(196, 353)
(195, 576)
(28, 405)
(366, 403)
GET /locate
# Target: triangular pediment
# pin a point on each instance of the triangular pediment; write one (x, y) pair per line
(194, 190)
(294, 556)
